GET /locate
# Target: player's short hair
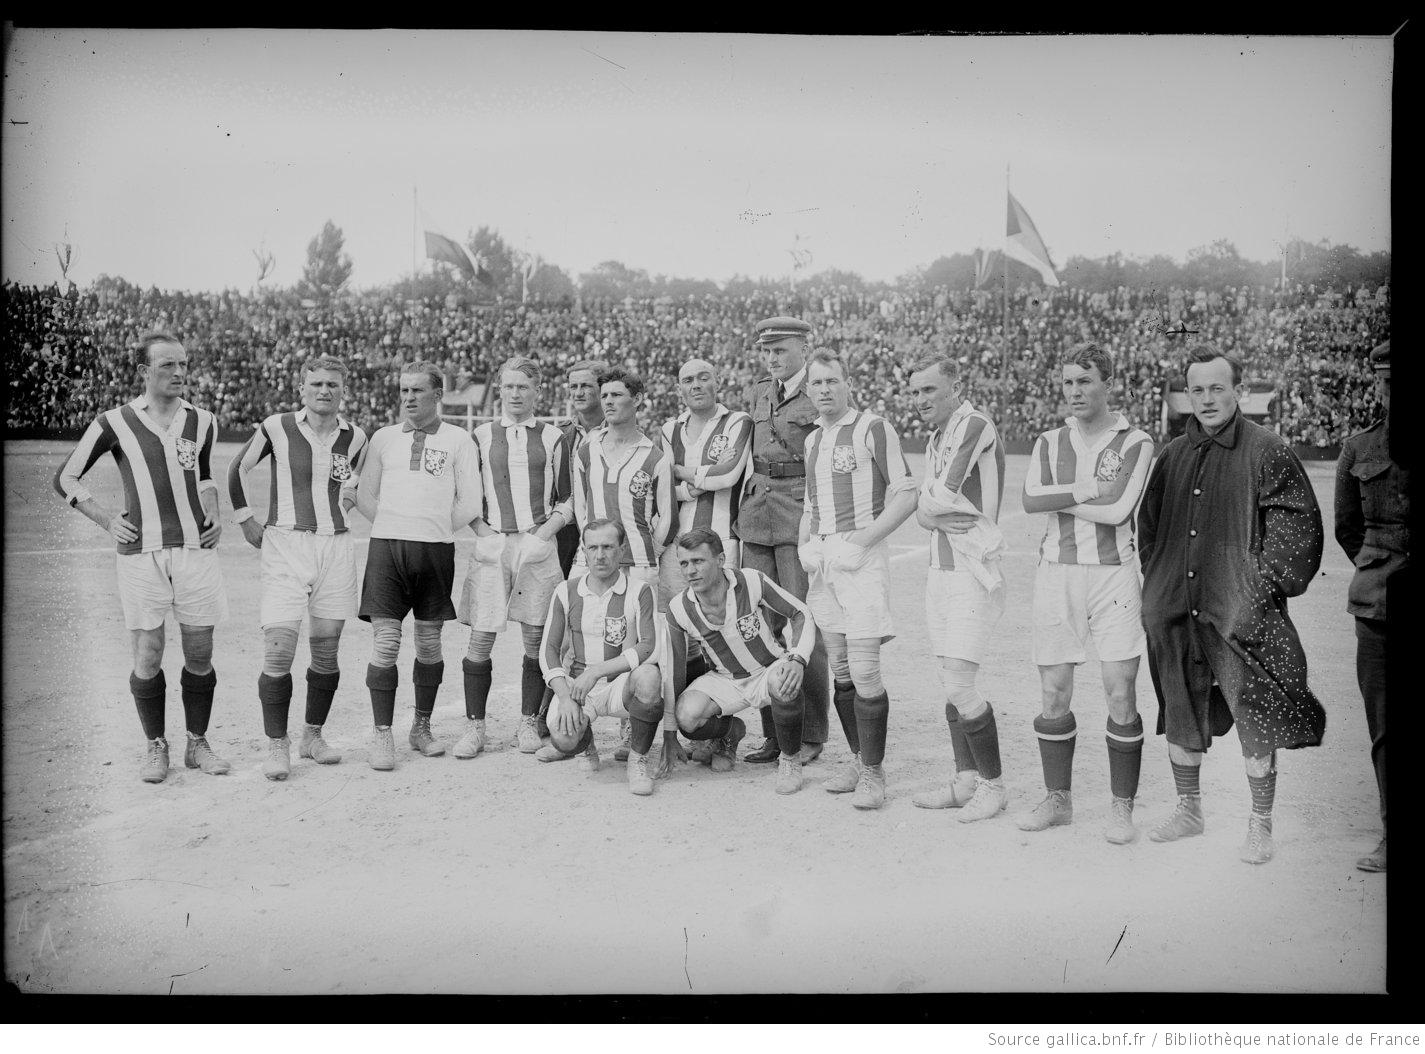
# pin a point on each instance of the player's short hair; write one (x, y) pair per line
(522, 364)
(594, 366)
(1090, 353)
(630, 380)
(947, 366)
(700, 536)
(597, 524)
(1205, 352)
(430, 369)
(147, 341)
(326, 362)
(827, 357)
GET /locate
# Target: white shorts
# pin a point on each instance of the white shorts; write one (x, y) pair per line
(494, 594)
(606, 697)
(960, 614)
(848, 587)
(734, 694)
(1076, 603)
(307, 572)
(187, 582)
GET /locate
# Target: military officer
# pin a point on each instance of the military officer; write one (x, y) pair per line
(771, 511)
(1372, 525)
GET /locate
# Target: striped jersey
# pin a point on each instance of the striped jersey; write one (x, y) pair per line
(427, 484)
(163, 471)
(850, 466)
(571, 438)
(719, 457)
(308, 473)
(743, 642)
(637, 492)
(517, 469)
(591, 627)
(968, 458)
(1061, 458)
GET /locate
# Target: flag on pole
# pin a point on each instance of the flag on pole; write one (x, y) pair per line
(1022, 241)
(448, 250)
(984, 262)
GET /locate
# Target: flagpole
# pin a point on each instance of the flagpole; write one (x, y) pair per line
(1004, 320)
(415, 229)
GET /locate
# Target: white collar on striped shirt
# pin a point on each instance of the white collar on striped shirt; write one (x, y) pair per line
(141, 403)
(598, 437)
(1118, 424)
(620, 585)
(844, 419)
(302, 420)
(510, 422)
(938, 435)
(718, 411)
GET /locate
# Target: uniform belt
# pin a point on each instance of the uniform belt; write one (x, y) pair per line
(778, 469)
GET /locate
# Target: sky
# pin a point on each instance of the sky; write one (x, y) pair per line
(169, 156)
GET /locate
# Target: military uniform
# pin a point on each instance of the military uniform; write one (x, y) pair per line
(771, 512)
(1372, 526)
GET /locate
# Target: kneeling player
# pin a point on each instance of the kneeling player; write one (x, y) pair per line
(725, 610)
(608, 621)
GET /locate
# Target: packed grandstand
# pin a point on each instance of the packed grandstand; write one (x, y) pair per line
(69, 353)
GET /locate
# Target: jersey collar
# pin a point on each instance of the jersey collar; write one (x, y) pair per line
(620, 585)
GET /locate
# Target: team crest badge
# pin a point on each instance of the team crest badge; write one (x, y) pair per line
(341, 468)
(719, 446)
(843, 459)
(434, 461)
(640, 483)
(187, 454)
(749, 626)
(615, 630)
(1109, 465)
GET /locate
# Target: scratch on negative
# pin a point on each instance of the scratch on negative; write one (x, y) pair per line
(596, 55)
(685, 958)
(1115, 946)
(321, 803)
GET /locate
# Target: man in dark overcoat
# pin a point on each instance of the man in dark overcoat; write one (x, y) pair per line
(1229, 529)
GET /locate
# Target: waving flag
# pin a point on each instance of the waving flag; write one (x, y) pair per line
(1022, 242)
(983, 263)
(448, 250)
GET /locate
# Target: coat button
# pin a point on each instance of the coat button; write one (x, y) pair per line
(1192, 574)
(1193, 533)
(1194, 612)
(1197, 490)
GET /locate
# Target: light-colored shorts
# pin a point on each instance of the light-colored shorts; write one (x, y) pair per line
(606, 697)
(1076, 603)
(960, 614)
(187, 582)
(848, 587)
(303, 571)
(735, 694)
(494, 593)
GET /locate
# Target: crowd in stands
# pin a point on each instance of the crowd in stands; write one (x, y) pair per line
(68, 355)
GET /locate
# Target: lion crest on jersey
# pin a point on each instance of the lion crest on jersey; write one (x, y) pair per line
(640, 484)
(615, 630)
(341, 468)
(434, 461)
(719, 445)
(1110, 463)
(843, 458)
(749, 626)
(187, 451)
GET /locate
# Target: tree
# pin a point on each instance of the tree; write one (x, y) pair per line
(328, 267)
(550, 284)
(612, 280)
(500, 262)
(265, 261)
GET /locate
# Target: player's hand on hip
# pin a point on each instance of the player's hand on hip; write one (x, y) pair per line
(672, 751)
(253, 531)
(208, 537)
(122, 530)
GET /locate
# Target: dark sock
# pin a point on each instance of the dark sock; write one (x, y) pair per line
(788, 719)
(198, 699)
(640, 734)
(959, 742)
(872, 718)
(531, 687)
(478, 676)
(1264, 792)
(321, 689)
(712, 728)
(426, 676)
(585, 739)
(982, 735)
(1057, 755)
(541, 724)
(275, 695)
(149, 700)
(844, 698)
(1185, 778)
(769, 727)
(1125, 759)
(382, 681)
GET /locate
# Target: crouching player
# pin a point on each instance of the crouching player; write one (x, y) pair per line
(608, 622)
(726, 611)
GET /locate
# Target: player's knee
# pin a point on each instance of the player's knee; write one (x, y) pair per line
(279, 649)
(1122, 702)
(1259, 765)
(1055, 699)
(148, 653)
(324, 654)
(566, 743)
(385, 641)
(482, 643)
(531, 637)
(865, 672)
(647, 688)
(197, 648)
(428, 641)
(689, 712)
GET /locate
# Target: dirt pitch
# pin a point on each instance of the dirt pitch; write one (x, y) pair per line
(502, 875)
